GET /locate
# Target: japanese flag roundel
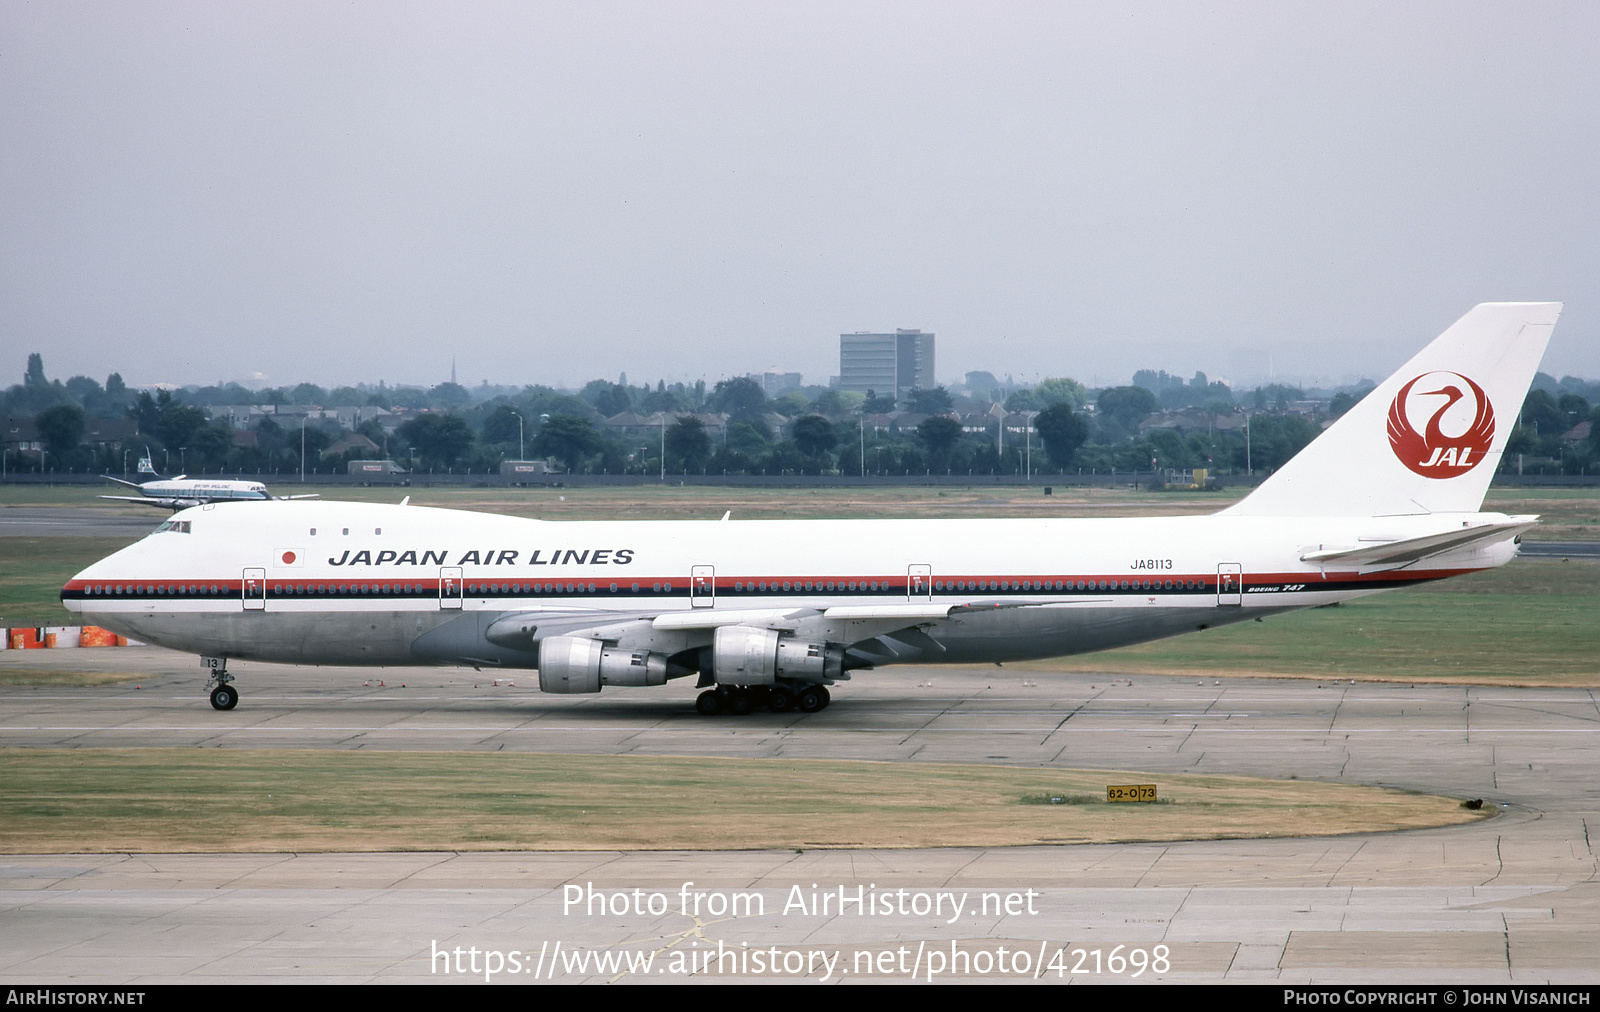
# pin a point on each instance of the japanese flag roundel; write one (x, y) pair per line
(1441, 425)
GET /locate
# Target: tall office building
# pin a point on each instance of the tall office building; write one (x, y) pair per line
(886, 363)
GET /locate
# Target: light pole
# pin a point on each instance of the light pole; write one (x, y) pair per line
(863, 427)
(1247, 468)
(519, 436)
(1027, 434)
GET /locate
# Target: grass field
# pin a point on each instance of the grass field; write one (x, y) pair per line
(34, 570)
(1533, 622)
(199, 800)
(1567, 513)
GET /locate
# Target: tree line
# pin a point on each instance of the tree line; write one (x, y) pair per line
(813, 431)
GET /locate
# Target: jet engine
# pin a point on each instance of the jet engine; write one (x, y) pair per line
(744, 655)
(576, 664)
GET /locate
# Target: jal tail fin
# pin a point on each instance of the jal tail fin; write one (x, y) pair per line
(1429, 438)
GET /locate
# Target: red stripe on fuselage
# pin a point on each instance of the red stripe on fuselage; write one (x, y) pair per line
(748, 585)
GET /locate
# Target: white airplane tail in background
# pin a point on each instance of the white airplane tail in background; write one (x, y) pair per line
(1429, 438)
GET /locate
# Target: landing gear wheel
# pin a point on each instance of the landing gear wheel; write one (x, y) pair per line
(827, 697)
(780, 700)
(224, 697)
(811, 699)
(708, 703)
(739, 702)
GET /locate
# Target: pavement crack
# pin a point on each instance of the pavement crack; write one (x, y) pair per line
(1160, 853)
(1059, 724)
(1182, 744)
(950, 879)
(1499, 860)
(1346, 862)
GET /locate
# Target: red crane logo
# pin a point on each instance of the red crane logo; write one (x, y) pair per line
(1433, 452)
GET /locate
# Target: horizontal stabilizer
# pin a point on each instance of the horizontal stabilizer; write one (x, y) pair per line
(1393, 553)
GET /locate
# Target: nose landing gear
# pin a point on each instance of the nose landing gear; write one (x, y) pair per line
(223, 695)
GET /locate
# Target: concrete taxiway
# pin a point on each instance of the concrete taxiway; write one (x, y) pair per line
(1513, 899)
(132, 521)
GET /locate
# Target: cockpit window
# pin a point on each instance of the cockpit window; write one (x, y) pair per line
(175, 526)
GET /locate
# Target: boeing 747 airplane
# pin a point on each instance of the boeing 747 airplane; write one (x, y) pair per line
(772, 613)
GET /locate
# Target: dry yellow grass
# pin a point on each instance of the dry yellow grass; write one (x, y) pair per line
(208, 800)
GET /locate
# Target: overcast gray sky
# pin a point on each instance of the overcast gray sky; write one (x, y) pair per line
(194, 192)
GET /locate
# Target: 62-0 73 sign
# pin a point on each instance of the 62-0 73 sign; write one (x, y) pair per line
(1131, 792)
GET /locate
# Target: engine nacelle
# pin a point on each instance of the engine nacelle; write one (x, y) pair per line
(744, 655)
(569, 664)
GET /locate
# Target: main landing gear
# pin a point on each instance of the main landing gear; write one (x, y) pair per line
(223, 695)
(742, 699)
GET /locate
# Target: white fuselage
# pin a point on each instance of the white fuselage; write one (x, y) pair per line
(320, 582)
(202, 491)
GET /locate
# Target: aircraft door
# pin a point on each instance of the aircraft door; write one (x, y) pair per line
(254, 590)
(919, 582)
(450, 588)
(1230, 584)
(702, 587)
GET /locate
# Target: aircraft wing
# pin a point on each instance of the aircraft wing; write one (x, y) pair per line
(169, 504)
(876, 631)
(1396, 553)
(308, 495)
(841, 624)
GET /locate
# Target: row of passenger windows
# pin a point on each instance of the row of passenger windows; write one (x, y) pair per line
(391, 589)
(162, 589)
(739, 586)
(957, 586)
(813, 585)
